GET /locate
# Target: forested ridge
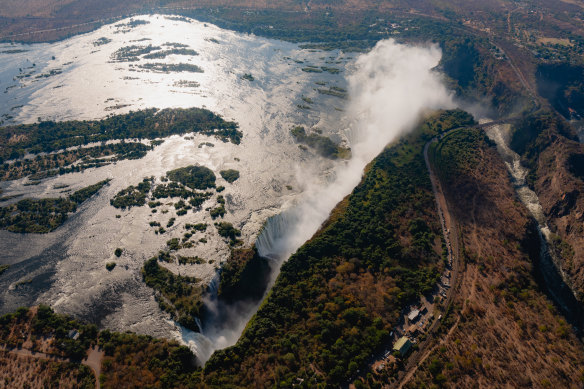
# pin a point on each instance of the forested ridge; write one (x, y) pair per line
(337, 298)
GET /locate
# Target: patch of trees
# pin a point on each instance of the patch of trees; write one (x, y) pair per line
(195, 177)
(141, 361)
(70, 338)
(176, 51)
(337, 298)
(322, 144)
(244, 276)
(183, 182)
(48, 136)
(44, 215)
(60, 163)
(132, 196)
(171, 68)
(178, 295)
(333, 91)
(217, 212)
(230, 175)
(227, 231)
(130, 360)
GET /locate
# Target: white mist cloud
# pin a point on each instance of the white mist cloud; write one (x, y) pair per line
(389, 88)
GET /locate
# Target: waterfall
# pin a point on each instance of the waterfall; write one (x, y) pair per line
(391, 87)
(223, 323)
(199, 324)
(273, 240)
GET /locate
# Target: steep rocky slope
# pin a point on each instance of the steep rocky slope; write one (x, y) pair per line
(556, 162)
(503, 329)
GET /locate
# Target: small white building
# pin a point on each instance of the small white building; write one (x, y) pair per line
(414, 315)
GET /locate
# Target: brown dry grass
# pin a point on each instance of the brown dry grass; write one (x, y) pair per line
(560, 194)
(508, 334)
(29, 372)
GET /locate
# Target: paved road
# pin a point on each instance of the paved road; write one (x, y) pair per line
(451, 236)
(450, 233)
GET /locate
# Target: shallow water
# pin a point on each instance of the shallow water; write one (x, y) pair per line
(66, 268)
(389, 89)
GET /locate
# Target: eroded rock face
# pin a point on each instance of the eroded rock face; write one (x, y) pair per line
(496, 292)
(554, 157)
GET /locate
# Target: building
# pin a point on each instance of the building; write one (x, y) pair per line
(413, 315)
(403, 346)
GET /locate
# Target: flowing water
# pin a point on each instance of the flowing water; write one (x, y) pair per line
(78, 79)
(285, 192)
(547, 271)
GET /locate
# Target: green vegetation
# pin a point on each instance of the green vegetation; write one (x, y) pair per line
(46, 137)
(132, 196)
(333, 91)
(248, 77)
(173, 244)
(44, 215)
(227, 231)
(174, 189)
(60, 163)
(178, 295)
(142, 361)
(229, 175)
(176, 51)
(46, 322)
(132, 23)
(170, 222)
(312, 69)
(331, 70)
(217, 212)
(195, 177)
(243, 276)
(458, 149)
(110, 266)
(102, 41)
(171, 68)
(196, 227)
(322, 144)
(118, 252)
(130, 360)
(3, 268)
(338, 297)
(190, 260)
(83, 194)
(132, 53)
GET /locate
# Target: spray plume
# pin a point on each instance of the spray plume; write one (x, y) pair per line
(390, 88)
